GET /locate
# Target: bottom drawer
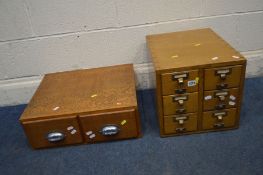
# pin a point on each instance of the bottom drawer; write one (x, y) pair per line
(180, 123)
(110, 126)
(219, 119)
(53, 132)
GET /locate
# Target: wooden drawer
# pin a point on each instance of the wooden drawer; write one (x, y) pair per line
(109, 126)
(53, 132)
(179, 82)
(222, 78)
(180, 123)
(219, 119)
(220, 99)
(181, 103)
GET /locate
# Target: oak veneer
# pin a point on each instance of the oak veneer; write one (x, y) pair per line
(196, 63)
(79, 104)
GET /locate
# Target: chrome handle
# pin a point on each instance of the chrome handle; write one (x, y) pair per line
(222, 73)
(55, 136)
(180, 99)
(222, 95)
(179, 77)
(110, 130)
(220, 115)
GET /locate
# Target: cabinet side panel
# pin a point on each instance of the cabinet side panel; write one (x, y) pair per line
(241, 90)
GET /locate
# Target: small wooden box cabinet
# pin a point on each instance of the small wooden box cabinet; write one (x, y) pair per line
(83, 106)
(199, 82)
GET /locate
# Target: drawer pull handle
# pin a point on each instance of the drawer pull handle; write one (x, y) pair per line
(180, 129)
(180, 77)
(180, 99)
(181, 120)
(110, 130)
(55, 137)
(219, 125)
(180, 111)
(180, 91)
(220, 106)
(222, 86)
(222, 73)
(220, 115)
(221, 95)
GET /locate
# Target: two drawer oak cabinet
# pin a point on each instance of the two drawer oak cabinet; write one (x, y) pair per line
(83, 106)
(199, 82)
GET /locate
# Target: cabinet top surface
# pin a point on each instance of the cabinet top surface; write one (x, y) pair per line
(189, 49)
(83, 91)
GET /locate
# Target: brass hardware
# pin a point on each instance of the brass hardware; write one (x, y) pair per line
(222, 73)
(180, 91)
(180, 111)
(220, 115)
(180, 80)
(180, 129)
(180, 99)
(180, 119)
(219, 125)
(180, 77)
(221, 95)
(220, 106)
(222, 86)
(221, 98)
(181, 122)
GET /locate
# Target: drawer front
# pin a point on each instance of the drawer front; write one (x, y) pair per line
(219, 119)
(109, 126)
(222, 78)
(220, 99)
(53, 132)
(181, 103)
(179, 82)
(177, 124)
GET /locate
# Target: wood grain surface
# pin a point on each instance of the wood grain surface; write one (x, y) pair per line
(75, 102)
(190, 49)
(202, 54)
(83, 91)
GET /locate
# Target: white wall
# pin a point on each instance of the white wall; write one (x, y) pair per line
(38, 37)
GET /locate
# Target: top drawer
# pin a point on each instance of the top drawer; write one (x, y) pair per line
(223, 77)
(180, 82)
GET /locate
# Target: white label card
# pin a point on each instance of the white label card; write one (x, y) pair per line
(88, 133)
(232, 103)
(191, 83)
(73, 131)
(70, 128)
(232, 97)
(92, 136)
(209, 97)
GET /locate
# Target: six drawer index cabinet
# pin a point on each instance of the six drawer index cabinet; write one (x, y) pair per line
(199, 82)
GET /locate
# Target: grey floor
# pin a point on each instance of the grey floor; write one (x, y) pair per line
(231, 152)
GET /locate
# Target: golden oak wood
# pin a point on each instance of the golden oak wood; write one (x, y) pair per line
(229, 119)
(169, 85)
(196, 62)
(171, 103)
(228, 101)
(232, 79)
(171, 125)
(94, 122)
(37, 131)
(92, 92)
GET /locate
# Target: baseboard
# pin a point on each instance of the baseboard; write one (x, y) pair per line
(20, 90)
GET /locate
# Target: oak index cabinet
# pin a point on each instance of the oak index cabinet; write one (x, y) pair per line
(199, 82)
